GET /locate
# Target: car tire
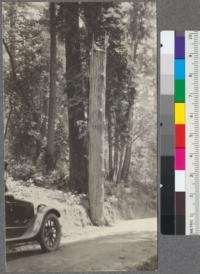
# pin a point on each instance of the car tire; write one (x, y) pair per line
(50, 233)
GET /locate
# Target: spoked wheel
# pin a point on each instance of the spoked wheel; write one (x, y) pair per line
(50, 233)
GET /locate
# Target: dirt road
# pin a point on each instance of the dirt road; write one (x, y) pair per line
(118, 248)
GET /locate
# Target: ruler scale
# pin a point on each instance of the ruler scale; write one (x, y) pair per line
(180, 132)
(192, 132)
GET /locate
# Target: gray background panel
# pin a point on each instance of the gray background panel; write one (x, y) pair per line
(177, 254)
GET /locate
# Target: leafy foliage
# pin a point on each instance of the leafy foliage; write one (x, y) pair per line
(130, 86)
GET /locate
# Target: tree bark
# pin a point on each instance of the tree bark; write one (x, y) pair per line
(116, 156)
(120, 166)
(97, 133)
(7, 122)
(44, 114)
(126, 164)
(52, 95)
(110, 147)
(127, 158)
(11, 54)
(78, 152)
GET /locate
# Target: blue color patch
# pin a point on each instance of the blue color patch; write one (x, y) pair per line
(179, 69)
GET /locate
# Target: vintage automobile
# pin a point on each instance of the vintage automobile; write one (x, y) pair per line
(24, 225)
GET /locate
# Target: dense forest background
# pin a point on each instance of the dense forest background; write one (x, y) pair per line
(46, 97)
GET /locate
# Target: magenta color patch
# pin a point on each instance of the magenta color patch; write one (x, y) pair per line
(180, 159)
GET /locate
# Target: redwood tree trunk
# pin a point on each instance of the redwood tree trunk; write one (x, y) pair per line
(78, 153)
(97, 134)
(126, 164)
(127, 158)
(44, 114)
(110, 147)
(120, 167)
(12, 17)
(116, 157)
(132, 92)
(52, 95)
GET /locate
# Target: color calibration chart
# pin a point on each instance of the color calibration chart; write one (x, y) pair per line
(180, 132)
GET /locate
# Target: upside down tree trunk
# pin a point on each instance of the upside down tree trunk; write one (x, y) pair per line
(97, 133)
(52, 96)
(78, 153)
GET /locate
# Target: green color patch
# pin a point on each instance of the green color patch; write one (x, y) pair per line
(179, 91)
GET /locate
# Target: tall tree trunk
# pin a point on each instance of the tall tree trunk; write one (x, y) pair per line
(116, 156)
(110, 147)
(7, 123)
(132, 92)
(11, 49)
(120, 166)
(97, 134)
(12, 16)
(91, 12)
(78, 153)
(52, 95)
(127, 158)
(126, 164)
(8, 119)
(44, 114)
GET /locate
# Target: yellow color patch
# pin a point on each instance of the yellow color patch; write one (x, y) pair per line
(179, 113)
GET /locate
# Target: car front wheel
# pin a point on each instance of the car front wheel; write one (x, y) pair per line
(50, 233)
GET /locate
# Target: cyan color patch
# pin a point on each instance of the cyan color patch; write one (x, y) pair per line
(179, 69)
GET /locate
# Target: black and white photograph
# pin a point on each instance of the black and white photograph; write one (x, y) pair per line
(80, 136)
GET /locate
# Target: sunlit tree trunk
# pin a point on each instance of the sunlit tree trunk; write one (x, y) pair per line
(97, 133)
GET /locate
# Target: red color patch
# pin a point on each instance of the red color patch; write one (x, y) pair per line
(180, 136)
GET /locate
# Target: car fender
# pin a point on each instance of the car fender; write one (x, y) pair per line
(35, 226)
(42, 211)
